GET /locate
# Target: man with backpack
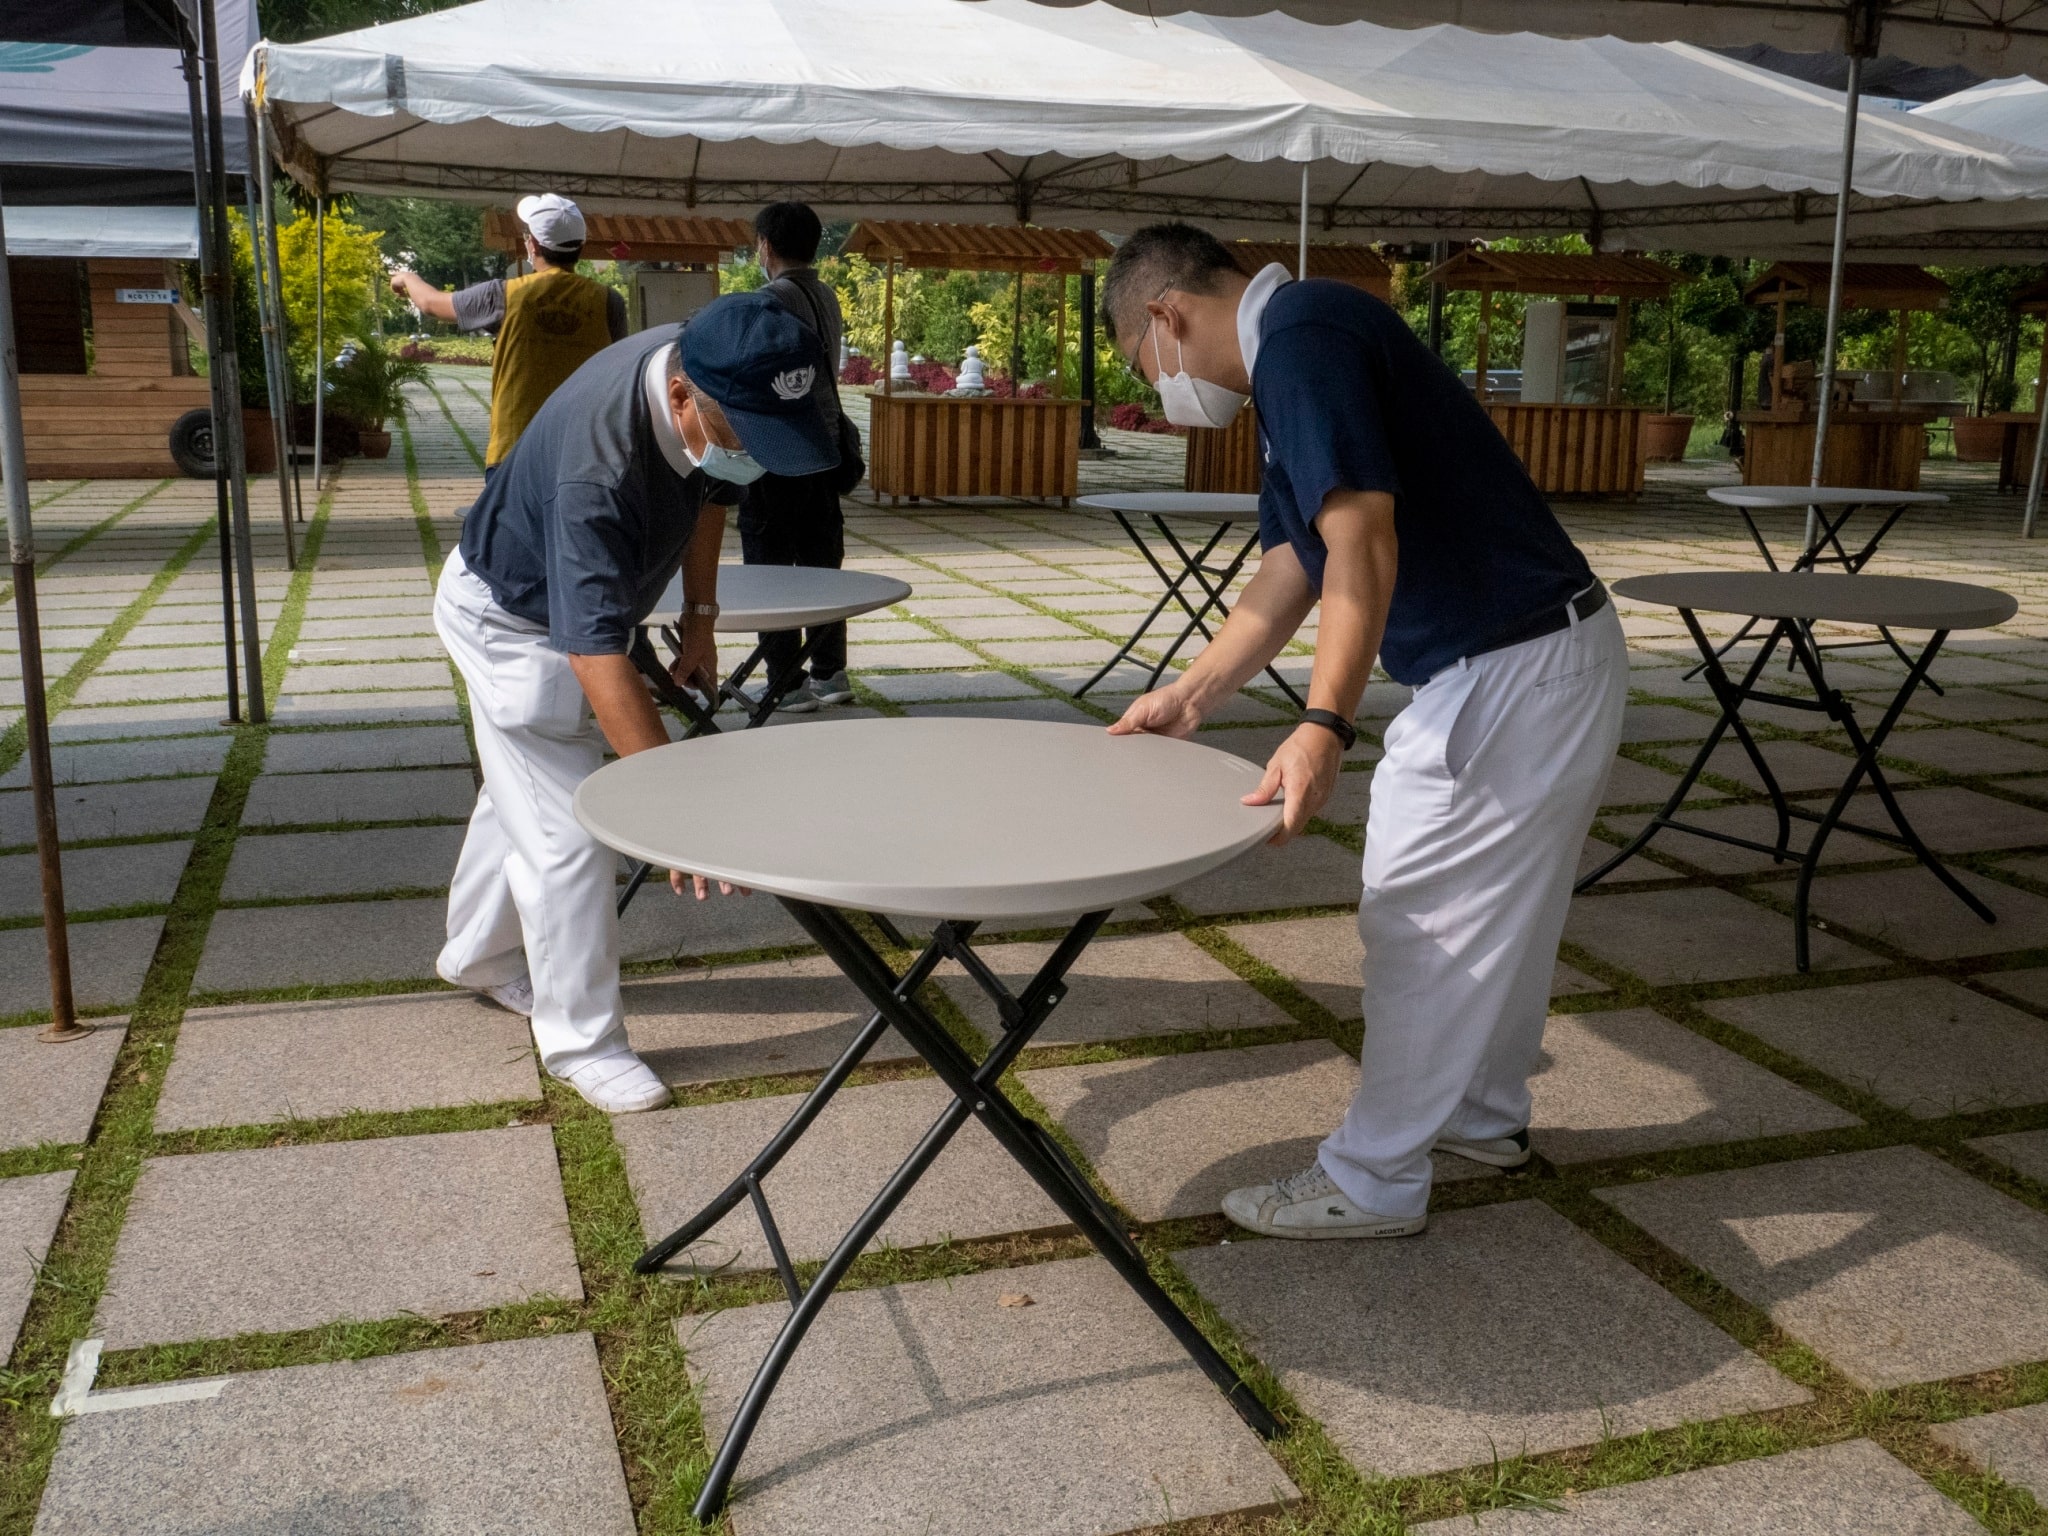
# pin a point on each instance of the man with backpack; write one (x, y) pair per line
(795, 519)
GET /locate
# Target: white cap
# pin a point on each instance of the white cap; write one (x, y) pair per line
(555, 223)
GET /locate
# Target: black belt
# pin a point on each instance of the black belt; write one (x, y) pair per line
(1551, 620)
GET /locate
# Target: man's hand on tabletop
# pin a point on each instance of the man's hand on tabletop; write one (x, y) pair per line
(1304, 772)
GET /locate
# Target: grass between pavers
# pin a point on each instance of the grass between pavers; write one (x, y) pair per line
(433, 555)
(468, 444)
(79, 540)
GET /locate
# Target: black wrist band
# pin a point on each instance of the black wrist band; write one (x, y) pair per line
(1333, 722)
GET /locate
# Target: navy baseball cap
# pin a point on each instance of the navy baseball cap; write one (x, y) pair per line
(765, 369)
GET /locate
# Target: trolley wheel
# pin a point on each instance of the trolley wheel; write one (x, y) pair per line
(192, 444)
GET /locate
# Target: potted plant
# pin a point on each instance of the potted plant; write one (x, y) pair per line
(1665, 434)
(369, 389)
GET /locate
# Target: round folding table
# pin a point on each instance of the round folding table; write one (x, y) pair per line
(1221, 511)
(1792, 602)
(965, 820)
(756, 599)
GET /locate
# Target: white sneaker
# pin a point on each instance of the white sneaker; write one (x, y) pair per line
(836, 689)
(1308, 1205)
(514, 996)
(1494, 1151)
(618, 1085)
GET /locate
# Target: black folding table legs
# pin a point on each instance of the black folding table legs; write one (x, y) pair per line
(976, 1091)
(1829, 701)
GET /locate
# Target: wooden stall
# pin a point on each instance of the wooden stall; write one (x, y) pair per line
(2017, 429)
(1874, 443)
(944, 446)
(1226, 459)
(108, 416)
(1570, 426)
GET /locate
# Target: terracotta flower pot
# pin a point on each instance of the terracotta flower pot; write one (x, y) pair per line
(376, 445)
(259, 446)
(1665, 437)
(1979, 439)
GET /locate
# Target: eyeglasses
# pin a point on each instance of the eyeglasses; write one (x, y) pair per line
(1130, 358)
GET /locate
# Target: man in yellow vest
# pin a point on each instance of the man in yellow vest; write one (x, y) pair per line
(549, 322)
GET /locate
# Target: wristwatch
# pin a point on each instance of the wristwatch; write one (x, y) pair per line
(701, 610)
(1333, 722)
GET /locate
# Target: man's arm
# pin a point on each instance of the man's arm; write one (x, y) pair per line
(697, 666)
(424, 296)
(1358, 586)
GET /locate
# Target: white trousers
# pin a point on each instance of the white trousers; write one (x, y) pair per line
(1479, 810)
(533, 892)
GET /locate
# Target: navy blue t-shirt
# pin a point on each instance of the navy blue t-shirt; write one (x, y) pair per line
(1350, 399)
(583, 524)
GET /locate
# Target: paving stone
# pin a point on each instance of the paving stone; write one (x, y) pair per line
(312, 799)
(108, 963)
(314, 1061)
(1950, 819)
(1910, 909)
(1974, 704)
(145, 687)
(1308, 872)
(921, 655)
(342, 863)
(108, 761)
(102, 724)
(89, 812)
(1961, 750)
(1696, 934)
(1429, 1354)
(910, 687)
(30, 1209)
(280, 1238)
(372, 648)
(322, 944)
(937, 1409)
(420, 624)
(1664, 722)
(417, 746)
(1893, 1265)
(514, 1436)
(1798, 766)
(2012, 1445)
(1059, 711)
(1031, 626)
(2023, 1151)
(725, 1022)
(95, 879)
(678, 1159)
(1924, 1045)
(1759, 824)
(1852, 1489)
(1349, 801)
(426, 705)
(660, 925)
(1173, 1134)
(1122, 988)
(1628, 1082)
(349, 677)
(1632, 783)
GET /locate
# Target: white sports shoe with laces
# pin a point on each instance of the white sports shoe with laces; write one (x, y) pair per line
(1309, 1205)
(618, 1085)
(514, 996)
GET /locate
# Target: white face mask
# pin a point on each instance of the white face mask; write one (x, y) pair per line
(721, 463)
(1189, 401)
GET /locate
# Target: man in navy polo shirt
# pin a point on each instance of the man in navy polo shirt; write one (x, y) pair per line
(622, 476)
(1390, 498)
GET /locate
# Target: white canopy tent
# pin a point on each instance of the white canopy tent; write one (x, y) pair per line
(2014, 109)
(169, 234)
(1004, 110)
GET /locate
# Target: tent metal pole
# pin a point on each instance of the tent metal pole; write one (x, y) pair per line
(2040, 460)
(1301, 250)
(1090, 438)
(256, 192)
(21, 552)
(210, 291)
(274, 286)
(1825, 410)
(319, 343)
(226, 363)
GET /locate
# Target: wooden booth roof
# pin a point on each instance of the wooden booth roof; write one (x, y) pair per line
(1561, 274)
(631, 237)
(976, 247)
(1865, 285)
(1357, 265)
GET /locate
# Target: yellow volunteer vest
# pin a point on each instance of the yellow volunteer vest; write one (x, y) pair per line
(554, 322)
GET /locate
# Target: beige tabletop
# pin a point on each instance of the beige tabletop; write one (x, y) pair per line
(1201, 506)
(776, 597)
(1818, 496)
(940, 818)
(1899, 602)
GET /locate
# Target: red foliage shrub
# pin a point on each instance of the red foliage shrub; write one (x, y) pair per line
(858, 370)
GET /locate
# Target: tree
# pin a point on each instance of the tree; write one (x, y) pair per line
(1980, 310)
(293, 21)
(443, 242)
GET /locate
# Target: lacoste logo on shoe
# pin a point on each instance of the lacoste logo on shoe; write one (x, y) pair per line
(794, 383)
(1336, 1210)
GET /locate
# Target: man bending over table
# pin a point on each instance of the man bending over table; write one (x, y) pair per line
(1390, 497)
(622, 477)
